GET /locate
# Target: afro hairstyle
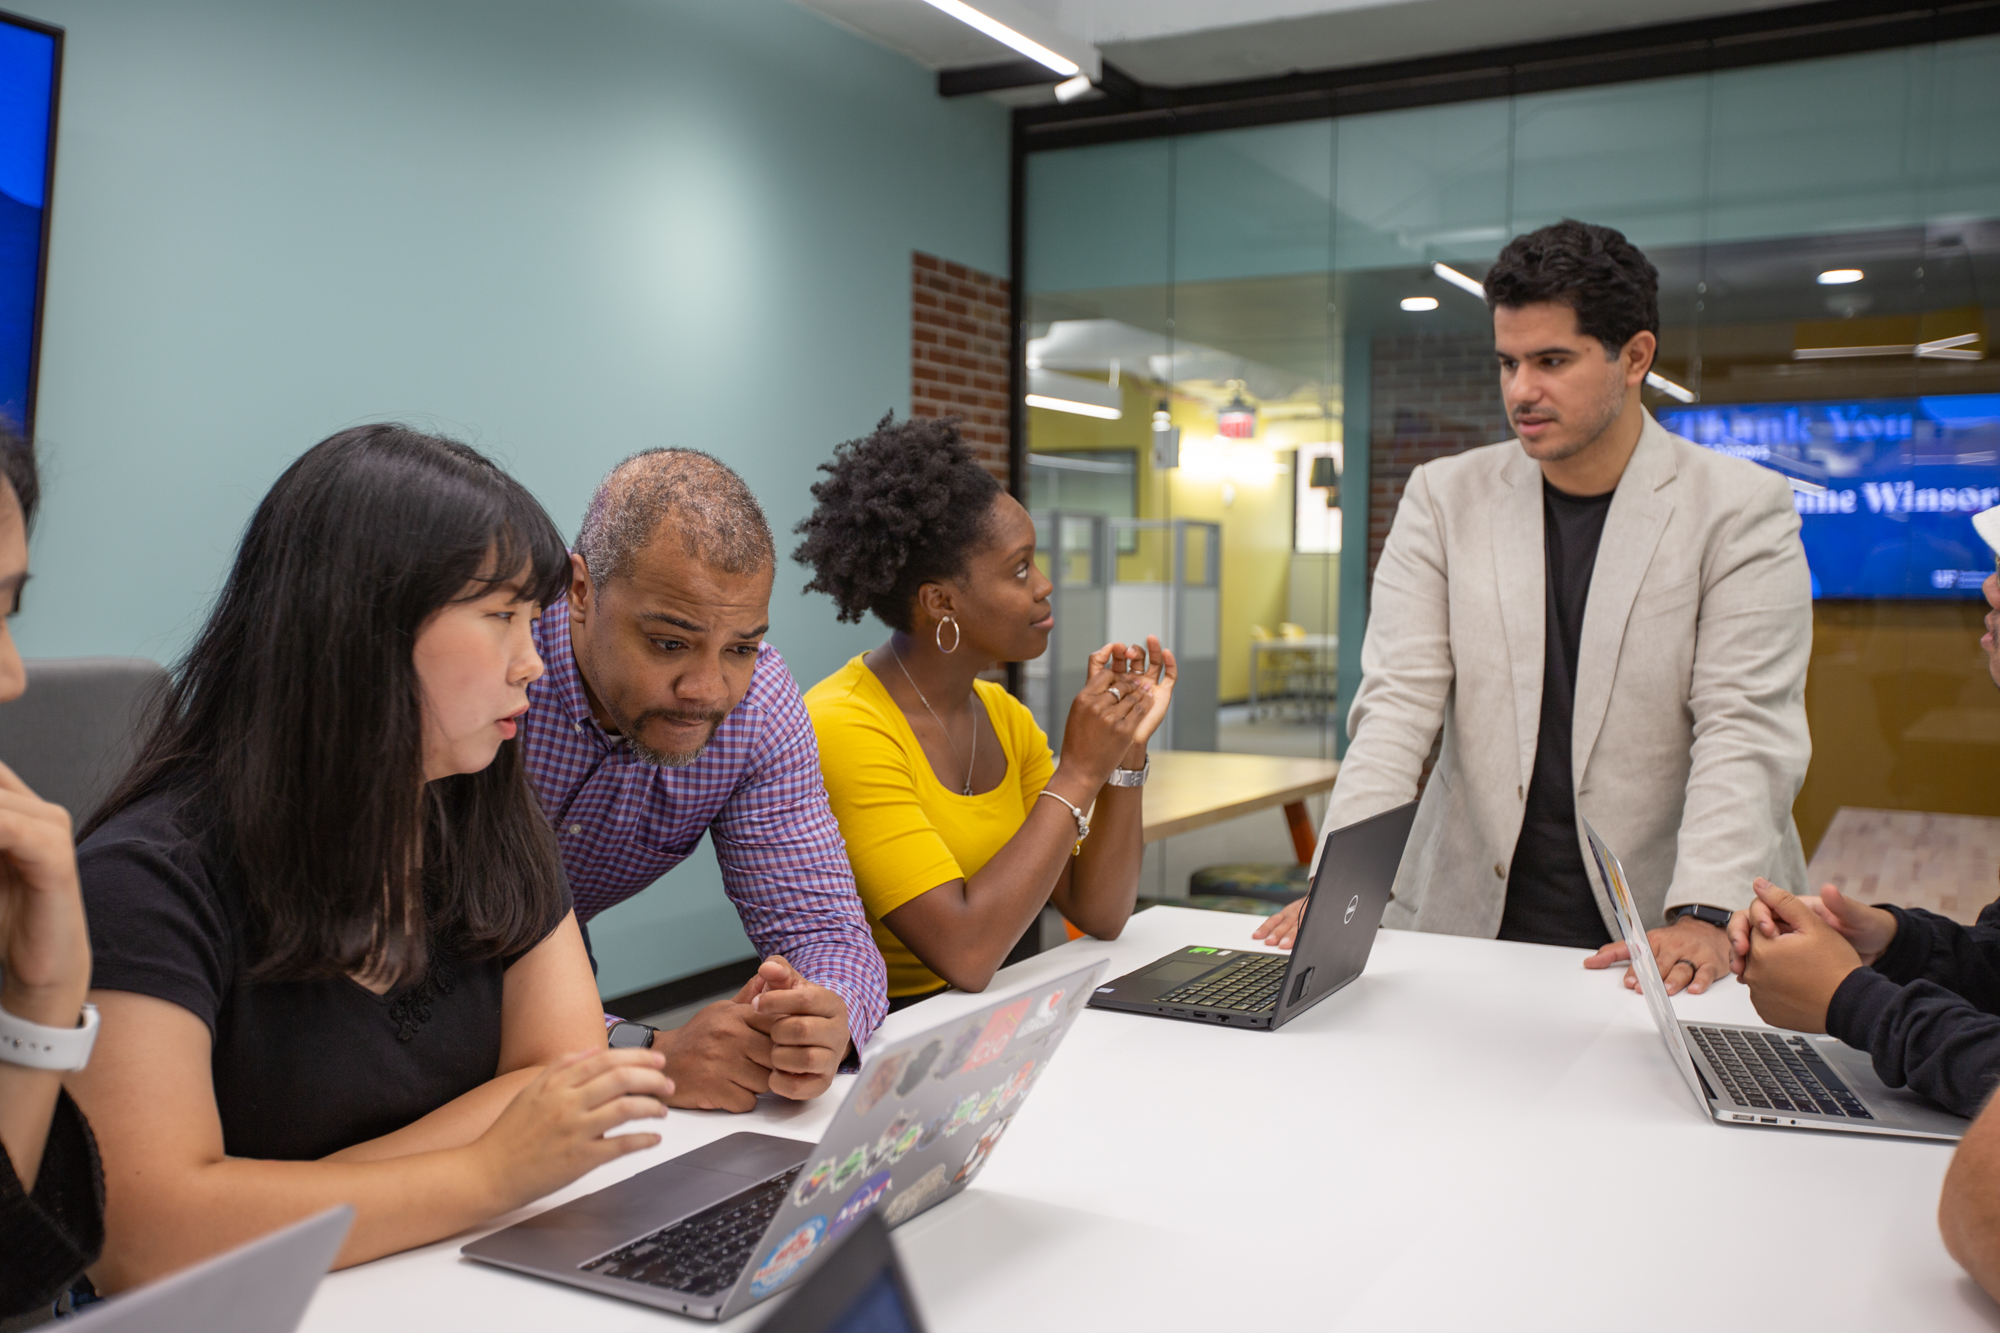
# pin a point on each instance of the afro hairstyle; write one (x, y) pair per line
(904, 506)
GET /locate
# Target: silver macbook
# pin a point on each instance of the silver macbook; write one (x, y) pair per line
(262, 1287)
(716, 1230)
(1766, 1076)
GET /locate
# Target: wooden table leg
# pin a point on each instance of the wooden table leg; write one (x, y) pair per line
(1304, 838)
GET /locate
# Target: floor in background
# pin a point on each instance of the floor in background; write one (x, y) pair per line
(1949, 864)
(1286, 733)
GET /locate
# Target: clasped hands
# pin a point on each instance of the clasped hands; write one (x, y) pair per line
(780, 1033)
(1791, 950)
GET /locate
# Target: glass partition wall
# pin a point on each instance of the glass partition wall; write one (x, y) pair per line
(1262, 331)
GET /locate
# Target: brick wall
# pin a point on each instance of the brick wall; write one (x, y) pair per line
(1430, 396)
(958, 352)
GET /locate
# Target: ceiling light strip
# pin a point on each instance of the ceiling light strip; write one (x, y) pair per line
(1005, 35)
(1070, 405)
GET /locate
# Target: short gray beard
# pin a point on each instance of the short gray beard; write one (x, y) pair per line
(646, 754)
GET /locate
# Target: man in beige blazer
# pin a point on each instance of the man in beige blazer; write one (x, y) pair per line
(1606, 621)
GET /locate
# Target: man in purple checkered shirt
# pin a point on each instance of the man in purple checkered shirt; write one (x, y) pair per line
(664, 716)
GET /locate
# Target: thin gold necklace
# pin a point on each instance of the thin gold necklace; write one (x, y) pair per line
(940, 721)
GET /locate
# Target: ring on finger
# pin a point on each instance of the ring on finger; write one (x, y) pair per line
(1112, 690)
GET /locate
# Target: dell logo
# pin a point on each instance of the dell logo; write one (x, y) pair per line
(1353, 906)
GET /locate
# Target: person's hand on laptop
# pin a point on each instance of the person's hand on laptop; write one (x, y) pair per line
(560, 1125)
(1692, 955)
(1869, 929)
(806, 1025)
(1281, 929)
(1793, 973)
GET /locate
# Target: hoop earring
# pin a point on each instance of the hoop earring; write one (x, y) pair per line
(956, 635)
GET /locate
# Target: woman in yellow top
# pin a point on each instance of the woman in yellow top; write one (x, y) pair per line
(959, 825)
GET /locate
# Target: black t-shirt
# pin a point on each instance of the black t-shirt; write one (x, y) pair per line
(1549, 900)
(302, 1068)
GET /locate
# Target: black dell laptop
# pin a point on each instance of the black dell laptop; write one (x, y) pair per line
(1240, 988)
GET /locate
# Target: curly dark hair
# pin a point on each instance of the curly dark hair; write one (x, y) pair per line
(899, 508)
(1595, 271)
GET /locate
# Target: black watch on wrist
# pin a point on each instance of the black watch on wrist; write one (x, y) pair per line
(627, 1036)
(1715, 916)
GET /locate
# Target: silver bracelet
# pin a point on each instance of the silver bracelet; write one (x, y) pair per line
(1131, 777)
(1082, 824)
(38, 1046)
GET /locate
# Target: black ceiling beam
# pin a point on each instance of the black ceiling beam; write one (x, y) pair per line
(969, 79)
(1771, 36)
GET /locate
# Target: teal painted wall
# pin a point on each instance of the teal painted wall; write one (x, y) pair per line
(561, 231)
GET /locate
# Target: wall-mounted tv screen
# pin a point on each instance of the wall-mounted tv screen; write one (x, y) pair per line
(30, 57)
(1885, 487)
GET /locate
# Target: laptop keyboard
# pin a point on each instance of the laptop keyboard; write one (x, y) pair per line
(1250, 986)
(702, 1254)
(1776, 1073)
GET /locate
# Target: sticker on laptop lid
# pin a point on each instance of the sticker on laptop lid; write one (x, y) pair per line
(882, 1076)
(871, 1192)
(919, 1066)
(786, 1256)
(1018, 1084)
(813, 1182)
(892, 1133)
(961, 1046)
(933, 1130)
(961, 1115)
(982, 1150)
(1044, 1015)
(929, 1188)
(999, 1030)
(851, 1169)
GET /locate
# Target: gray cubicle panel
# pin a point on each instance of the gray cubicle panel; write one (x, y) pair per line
(77, 730)
(1185, 611)
(1080, 569)
(1093, 607)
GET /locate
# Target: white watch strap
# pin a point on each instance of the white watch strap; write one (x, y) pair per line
(40, 1047)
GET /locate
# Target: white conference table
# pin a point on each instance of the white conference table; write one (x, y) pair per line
(1472, 1135)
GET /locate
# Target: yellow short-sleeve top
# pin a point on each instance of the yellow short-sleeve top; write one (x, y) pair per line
(906, 832)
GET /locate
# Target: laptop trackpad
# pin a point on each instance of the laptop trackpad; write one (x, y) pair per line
(587, 1227)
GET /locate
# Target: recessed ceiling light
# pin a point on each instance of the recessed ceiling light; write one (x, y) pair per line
(1420, 303)
(1835, 277)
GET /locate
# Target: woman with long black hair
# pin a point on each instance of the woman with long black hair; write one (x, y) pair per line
(334, 952)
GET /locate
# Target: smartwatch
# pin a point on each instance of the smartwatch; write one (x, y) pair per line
(38, 1046)
(1715, 916)
(626, 1036)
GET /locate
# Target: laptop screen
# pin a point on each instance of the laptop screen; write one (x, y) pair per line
(1644, 965)
(880, 1308)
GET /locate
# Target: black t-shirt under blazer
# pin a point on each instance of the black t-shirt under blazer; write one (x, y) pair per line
(302, 1068)
(1549, 900)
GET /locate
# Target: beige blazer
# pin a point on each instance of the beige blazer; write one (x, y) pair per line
(1690, 736)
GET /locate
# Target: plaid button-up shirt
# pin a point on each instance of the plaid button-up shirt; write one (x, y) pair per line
(622, 823)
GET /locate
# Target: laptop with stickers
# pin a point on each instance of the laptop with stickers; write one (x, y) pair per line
(716, 1230)
(1766, 1076)
(1247, 989)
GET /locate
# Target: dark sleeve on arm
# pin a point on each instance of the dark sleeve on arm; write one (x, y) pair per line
(48, 1238)
(158, 926)
(1962, 959)
(1920, 1036)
